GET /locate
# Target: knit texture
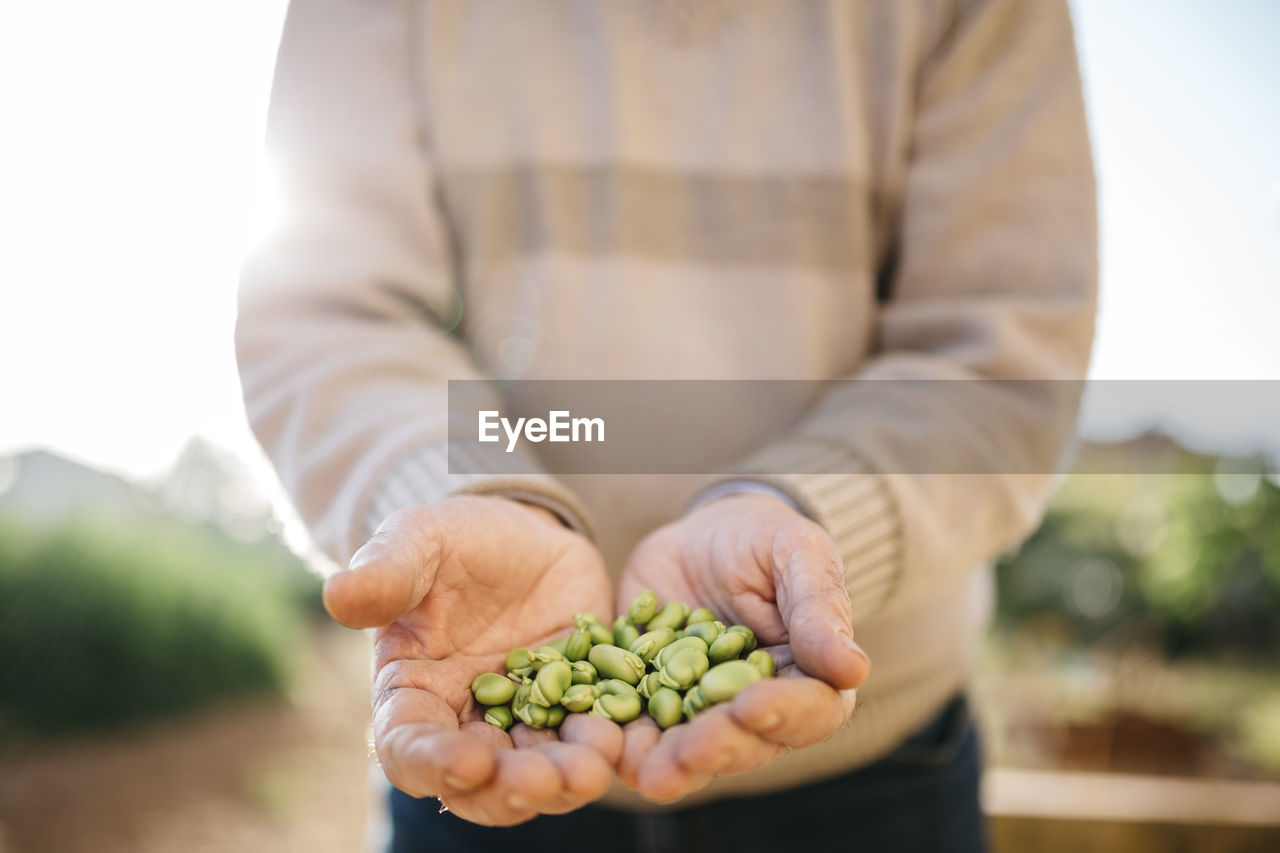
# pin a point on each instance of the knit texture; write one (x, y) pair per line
(741, 189)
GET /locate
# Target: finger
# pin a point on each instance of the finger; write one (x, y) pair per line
(638, 739)
(584, 776)
(526, 781)
(492, 735)
(813, 601)
(403, 693)
(782, 657)
(662, 778)
(387, 577)
(791, 711)
(420, 746)
(604, 736)
(525, 737)
(716, 743)
(424, 760)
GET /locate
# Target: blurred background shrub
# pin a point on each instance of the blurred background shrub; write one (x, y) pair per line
(133, 611)
(1138, 629)
(1183, 564)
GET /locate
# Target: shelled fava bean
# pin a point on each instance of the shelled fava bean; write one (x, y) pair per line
(670, 662)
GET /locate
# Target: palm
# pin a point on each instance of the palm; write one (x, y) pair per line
(451, 587)
(736, 586)
(755, 561)
(483, 603)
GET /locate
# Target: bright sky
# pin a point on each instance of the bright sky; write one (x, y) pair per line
(131, 181)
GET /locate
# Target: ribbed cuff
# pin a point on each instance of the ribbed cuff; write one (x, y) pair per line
(422, 476)
(855, 507)
(739, 487)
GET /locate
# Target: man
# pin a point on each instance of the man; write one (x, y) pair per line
(664, 189)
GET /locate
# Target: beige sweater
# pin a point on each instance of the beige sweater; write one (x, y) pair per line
(674, 189)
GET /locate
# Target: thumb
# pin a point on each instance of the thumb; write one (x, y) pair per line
(388, 576)
(814, 605)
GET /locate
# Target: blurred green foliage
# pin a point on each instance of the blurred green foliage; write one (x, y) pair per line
(101, 624)
(1185, 563)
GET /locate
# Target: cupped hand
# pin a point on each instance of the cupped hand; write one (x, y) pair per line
(753, 560)
(451, 588)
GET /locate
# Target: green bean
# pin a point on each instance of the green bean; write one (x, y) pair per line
(579, 644)
(500, 716)
(702, 614)
(584, 672)
(580, 697)
(763, 662)
(728, 646)
(680, 645)
(553, 680)
(647, 645)
(643, 607)
(625, 632)
(748, 633)
(705, 631)
(683, 669)
(724, 681)
(613, 662)
(666, 707)
(620, 709)
(519, 662)
(671, 616)
(490, 688)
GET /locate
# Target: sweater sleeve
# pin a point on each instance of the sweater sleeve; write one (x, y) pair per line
(343, 334)
(991, 276)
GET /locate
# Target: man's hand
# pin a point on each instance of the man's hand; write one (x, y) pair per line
(755, 561)
(451, 588)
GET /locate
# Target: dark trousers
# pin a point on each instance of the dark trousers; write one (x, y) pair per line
(922, 797)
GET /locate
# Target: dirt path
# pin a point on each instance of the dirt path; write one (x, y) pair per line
(281, 776)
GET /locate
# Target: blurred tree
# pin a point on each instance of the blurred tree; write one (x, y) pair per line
(1186, 562)
(101, 625)
(120, 602)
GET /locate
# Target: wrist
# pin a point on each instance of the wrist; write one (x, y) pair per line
(543, 513)
(739, 488)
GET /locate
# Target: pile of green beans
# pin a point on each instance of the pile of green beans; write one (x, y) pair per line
(669, 661)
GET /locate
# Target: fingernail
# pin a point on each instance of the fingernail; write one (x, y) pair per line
(856, 649)
(518, 802)
(454, 782)
(358, 559)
